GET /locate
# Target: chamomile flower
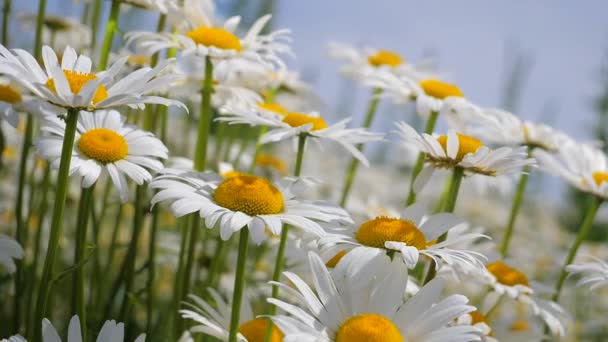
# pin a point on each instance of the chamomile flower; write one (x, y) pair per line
(286, 125)
(72, 85)
(412, 234)
(582, 166)
(463, 151)
(201, 34)
(9, 250)
(216, 321)
(105, 143)
(478, 321)
(161, 6)
(592, 273)
(369, 306)
(505, 279)
(242, 200)
(13, 101)
(110, 332)
(58, 32)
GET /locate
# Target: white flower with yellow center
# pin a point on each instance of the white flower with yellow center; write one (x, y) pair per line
(215, 321)
(72, 85)
(110, 332)
(287, 125)
(9, 250)
(364, 63)
(412, 234)
(463, 151)
(200, 33)
(480, 322)
(104, 142)
(592, 273)
(581, 165)
(369, 306)
(59, 32)
(242, 200)
(13, 101)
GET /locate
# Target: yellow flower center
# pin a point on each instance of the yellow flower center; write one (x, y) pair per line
(477, 317)
(103, 145)
(255, 331)
(298, 119)
(466, 145)
(385, 57)
(230, 174)
(9, 152)
(76, 81)
(440, 90)
(600, 177)
(139, 60)
(273, 107)
(376, 232)
(268, 160)
(336, 259)
(368, 328)
(250, 195)
(507, 275)
(520, 325)
(216, 37)
(9, 94)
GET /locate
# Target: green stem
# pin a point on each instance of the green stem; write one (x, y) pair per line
(5, 14)
(56, 221)
(177, 292)
(517, 200)
(111, 28)
(450, 201)
(39, 26)
(200, 152)
(582, 234)
(84, 18)
(258, 148)
(151, 271)
(239, 285)
(78, 301)
(95, 23)
(354, 162)
(428, 129)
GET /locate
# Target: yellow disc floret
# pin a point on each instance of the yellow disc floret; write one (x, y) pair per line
(600, 177)
(77, 80)
(9, 94)
(273, 107)
(520, 325)
(216, 37)
(255, 331)
(440, 90)
(103, 145)
(336, 259)
(250, 195)
(385, 57)
(298, 119)
(477, 317)
(368, 328)
(466, 145)
(507, 275)
(270, 161)
(376, 232)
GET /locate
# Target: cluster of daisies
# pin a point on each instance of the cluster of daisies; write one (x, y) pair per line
(160, 192)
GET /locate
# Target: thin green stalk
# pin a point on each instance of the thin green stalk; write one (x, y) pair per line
(39, 26)
(582, 234)
(84, 18)
(101, 293)
(217, 263)
(200, 152)
(239, 285)
(177, 292)
(354, 162)
(95, 23)
(6, 10)
(517, 200)
(56, 221)
(151, 271)
(278, 266)
(111, 28)
(245, 139)
(428, 129)
(21, 224)
(258, 148)
(78, 301)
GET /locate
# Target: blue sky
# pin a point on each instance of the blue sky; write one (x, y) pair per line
(566, 39)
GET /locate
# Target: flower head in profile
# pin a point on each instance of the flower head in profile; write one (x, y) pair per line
(215, 321)
(365, 302)
(463, 151)
(73, 85)
(199, 32)
(9, 250)
(13, 100)
(593, 273)
(411, 234)
(110, 332)
(161, 6)
(105, 143)
(58, 31)
(241, 200)
(285, 125)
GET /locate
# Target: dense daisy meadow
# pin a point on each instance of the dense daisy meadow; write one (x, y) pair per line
(188, 184)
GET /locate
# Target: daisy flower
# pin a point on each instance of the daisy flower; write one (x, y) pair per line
(58, 32)
(412, 234)
(216, 321)
(200, 33)
(462, 151)
(244, 201)
(161, 6)
(13, 101)
(581, 165)
(286, 125)
(9, 250)
(110, 332)
(478, 321)
(592, 273)
(505, 279)
(72, 85)
(104, 142)
(369, 307)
